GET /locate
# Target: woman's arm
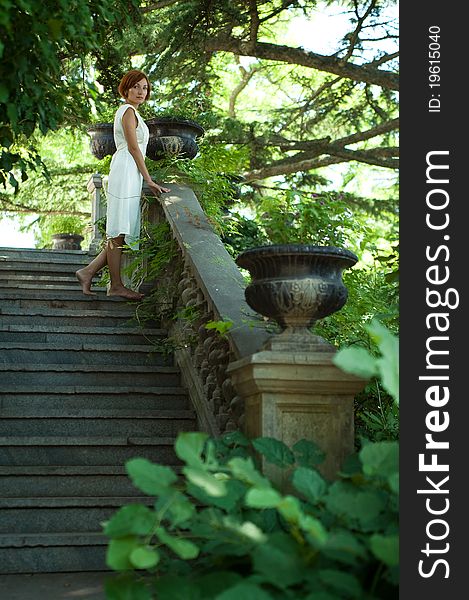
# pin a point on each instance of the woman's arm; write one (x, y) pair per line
(128, 124)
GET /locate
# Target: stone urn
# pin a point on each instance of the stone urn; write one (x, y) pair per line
(67, 241)
(296, 285)
(169, 136)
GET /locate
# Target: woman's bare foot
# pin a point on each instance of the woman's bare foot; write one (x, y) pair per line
(85, 281)
(124, 292)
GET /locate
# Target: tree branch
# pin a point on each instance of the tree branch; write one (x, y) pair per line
(355, 35)
(246, 78)
(364, 73)
(157, 5)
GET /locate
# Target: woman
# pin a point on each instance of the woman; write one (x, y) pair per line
(124, 188)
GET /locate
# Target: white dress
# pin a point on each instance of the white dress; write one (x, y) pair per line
(125, 181)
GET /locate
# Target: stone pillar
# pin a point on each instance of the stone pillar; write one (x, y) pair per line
(98, 210)
(294, 395)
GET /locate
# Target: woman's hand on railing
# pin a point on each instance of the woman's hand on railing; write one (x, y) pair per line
(157, 189)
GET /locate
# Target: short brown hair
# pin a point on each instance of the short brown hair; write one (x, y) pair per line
(130, 79)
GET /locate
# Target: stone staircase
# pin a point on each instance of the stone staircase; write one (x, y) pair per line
(81, 391)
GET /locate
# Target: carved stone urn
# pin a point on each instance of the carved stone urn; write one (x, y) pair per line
(67, 241)
(169, 136)
(296, 285)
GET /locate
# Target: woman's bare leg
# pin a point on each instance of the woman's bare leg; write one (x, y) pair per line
(114, 255)
(86, 274)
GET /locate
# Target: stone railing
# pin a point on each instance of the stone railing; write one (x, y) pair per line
(238, 380)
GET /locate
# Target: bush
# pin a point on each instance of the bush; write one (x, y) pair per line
(223, 531)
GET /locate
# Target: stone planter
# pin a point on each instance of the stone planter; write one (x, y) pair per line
(67, 241)
(168, 137)
(173, 137)
(296, 285)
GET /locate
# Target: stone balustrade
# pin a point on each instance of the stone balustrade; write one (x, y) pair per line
(240, 380)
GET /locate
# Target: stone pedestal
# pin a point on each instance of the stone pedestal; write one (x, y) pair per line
(294, 395)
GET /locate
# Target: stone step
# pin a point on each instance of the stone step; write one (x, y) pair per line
(79, 334)
(36, 278)
(44, 254)
(84, 451)
(63, 299)
(99, 397)
(14, 422)
(77, 353)
(61, 515)
(58, 552)
(48, 285)
(57, 375)
(24, 482)
(11, 315)
(35, 265)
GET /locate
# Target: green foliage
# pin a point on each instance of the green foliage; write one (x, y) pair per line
(223, 528)
(43, 49)
(377, 413)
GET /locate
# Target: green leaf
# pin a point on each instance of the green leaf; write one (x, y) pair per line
(215, 583)
(135, 519)
(150, 478)
(274, 451)
(357, 361)
(344, 583)
(262, 498)
(246, 591)
(344, 500)
(180, 508)
(119, 551)
(290, 509)
(309, 483)
(314, 528)
(308, 454)
(243, 469)
(125, 588)
(235, 438)
(388, 363)
(393, 481)
(343, 546)
(189, 447)
(279, 564)
(185, 549)
(144, 558)
(386, 548)
(380, 458)
(208, 482)
(235, 491)
(173, 587)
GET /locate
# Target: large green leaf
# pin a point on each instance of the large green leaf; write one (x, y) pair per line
(388, 363)
(308, 454)
(357, 361)
(309, 483)
(176, 506)
(279, 565)
(347, 585)
(144, 557)
(173, 587)
(244, 591)
(134, 519)
(262, 498)
(125, 588)
(380, 458)
(350, 503)
(189, 447)
(119, 551)
(150, 478)
(234, 492)
(244, 469)
(185, 549)
(386, 548)
(208, 482)
(274, 451)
